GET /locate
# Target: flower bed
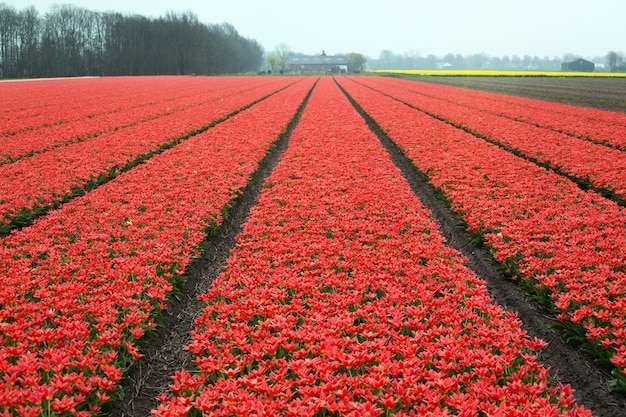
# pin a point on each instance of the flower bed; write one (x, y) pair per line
(28, 106)
(567, 244)
(595, 165)
(125, 105)
(604, 127)
(33, 185)
(340, 298)
(82, 284)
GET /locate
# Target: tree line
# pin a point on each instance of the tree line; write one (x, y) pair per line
(389, 59)
(69, 41)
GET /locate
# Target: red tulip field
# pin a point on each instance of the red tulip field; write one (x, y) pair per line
(342, 293)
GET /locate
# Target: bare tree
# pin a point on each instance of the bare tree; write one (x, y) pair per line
(284, 52)
(66, 38)
(9, 44)
(185, 36)
(615, 61)
(71, 41)
(29, 39)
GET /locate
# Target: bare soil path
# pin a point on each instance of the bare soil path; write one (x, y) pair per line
(600, 93)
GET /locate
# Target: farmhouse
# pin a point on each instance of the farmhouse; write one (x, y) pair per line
(579, 65)
(318, 63)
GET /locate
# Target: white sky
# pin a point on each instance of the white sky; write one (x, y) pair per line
(585, 28)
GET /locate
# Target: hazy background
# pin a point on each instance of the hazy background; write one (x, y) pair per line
(585, 28)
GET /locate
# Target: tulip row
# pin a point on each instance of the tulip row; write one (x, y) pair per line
(598, 166)
(567, 243)
(82, 284)
(30, 106)
(131, 108)
(340, 298)
(608, 128)
(33, 185)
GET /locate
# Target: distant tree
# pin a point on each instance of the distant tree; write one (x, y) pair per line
(131, 46)
(611, 60)
(218, 60)
(19, 40)
(430, 62)
(411, 59)
(29, 42)
(9, 45)
(64, 41)
(356, 62)
(569, 57)
(253, 54)
(516, 62)
(620, 62)
(228, 52)
(615, 61)
(387, 59)
(284, 52)
(274, 61)
(185, 35)
(476, 61)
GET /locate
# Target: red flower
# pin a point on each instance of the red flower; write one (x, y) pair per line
(323, 307)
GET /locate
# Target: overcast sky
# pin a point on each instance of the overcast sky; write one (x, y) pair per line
(585, 28)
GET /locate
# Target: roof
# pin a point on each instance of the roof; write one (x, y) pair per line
(579, 60)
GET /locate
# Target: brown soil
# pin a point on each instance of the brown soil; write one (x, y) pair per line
(164, 351)
(600, 93)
